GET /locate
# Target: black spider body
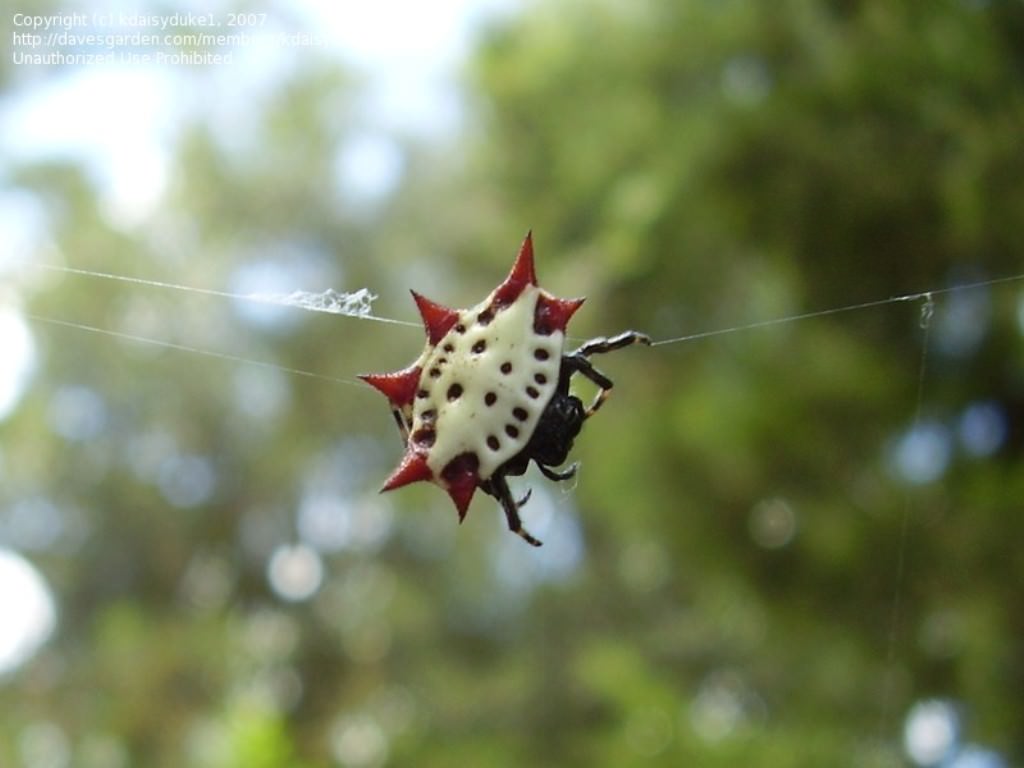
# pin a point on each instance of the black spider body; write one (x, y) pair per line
(552, 441)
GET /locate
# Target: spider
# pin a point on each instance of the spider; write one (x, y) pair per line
(490, 392)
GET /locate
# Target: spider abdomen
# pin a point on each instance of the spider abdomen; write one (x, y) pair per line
(485, 385)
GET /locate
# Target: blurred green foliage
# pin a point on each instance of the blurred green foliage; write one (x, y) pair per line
(754, 584)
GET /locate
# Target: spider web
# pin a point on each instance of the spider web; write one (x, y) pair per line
(357, 305)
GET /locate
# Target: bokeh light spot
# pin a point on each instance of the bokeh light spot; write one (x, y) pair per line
(931, 731)
(922, 454)
(77, 413)
(295, 572)
(102, 750)
(520, 569)
(719, 707)
(963, 321)
(207, 582)
(772, 523)
(369, 166)
(983, 428)
(44, 745)
(358, 741)
(186, 481)
(17, 359)
(29, 614)
(746, 80)
(32, 523)
(22, 226)
(261, 394)
(972, 756)
(331, 522)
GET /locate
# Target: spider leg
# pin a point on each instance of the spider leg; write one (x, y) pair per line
(577, 362)
(552, 474)
(403, 428)
(499, 489)
(603, 344)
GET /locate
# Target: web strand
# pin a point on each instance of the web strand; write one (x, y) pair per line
(186, 348)
(903, 540)
(298, 299)
(311, 306)
(304, 303)
(922, 295)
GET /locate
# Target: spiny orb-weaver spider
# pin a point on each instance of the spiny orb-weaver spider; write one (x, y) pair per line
(490, 392)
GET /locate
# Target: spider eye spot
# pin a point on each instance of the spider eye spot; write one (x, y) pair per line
(424, 436)
(540, 378)
(434, 373)
(485, 317)
(479, 347)
(454, 392)
(506, 368)
(429, 415)
(532, 393)
(461, 464)
(448, 347)
(511, 431)
(422, 394)
(460, 328)
(541, 354)
(520, 413)
(490, 399)
(493, 443)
